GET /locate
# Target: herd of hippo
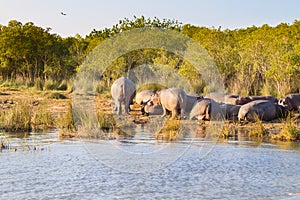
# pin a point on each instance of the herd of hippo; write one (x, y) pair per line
(212, 106)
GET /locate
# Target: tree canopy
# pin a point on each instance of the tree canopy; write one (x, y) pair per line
(251, 61)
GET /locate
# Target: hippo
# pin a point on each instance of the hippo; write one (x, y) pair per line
(269, 98)
(123, 91)
(245, 100)
(191, 99)
(222, 98)
(206, 109)
(230, 111)
(153, 109)
(231, 99)
(265, 110)
(291, 102)
(218, 97)
(242, 100)
(172, 99)
(144, 96)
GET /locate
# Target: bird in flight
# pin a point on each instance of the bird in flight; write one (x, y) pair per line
(63, 13)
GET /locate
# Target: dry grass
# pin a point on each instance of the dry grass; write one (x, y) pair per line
(288, 132)
(26, 116)
(258, 130)
(171, 131)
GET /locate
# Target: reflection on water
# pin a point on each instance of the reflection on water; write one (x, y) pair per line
(232, 169)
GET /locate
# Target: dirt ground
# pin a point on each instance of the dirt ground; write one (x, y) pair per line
(57, 107)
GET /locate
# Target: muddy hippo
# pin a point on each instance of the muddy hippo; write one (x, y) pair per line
(153, 109)
(265, 110)
(291, 102)
(144, 96)
(230, 111)
(206, 109)
(172, 99)
(222, 98)
(122, 91)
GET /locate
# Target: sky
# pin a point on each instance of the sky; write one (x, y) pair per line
(82, 16)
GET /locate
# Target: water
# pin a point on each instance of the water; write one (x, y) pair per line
(71, 169)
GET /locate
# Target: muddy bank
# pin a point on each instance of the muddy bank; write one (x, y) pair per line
(61, 111)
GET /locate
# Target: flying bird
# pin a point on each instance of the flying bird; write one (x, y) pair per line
(63, 13)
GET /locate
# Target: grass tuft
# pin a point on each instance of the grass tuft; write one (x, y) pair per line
(288, 132)
(259, 131)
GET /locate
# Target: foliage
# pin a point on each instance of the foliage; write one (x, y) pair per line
(251, 61)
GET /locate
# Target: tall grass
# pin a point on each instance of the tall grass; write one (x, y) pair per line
(288, 132)
(258, 130)
(17, 118)
(23, 117)
(66, 124)
(42, 119)
(171, 131)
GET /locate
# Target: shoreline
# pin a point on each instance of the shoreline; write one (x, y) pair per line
(60, 110)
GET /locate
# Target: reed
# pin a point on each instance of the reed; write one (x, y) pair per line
(106, 121)
(66, 124)
(23, 116)
(171, 131)
(41, 119)
(288, 132)
(17, 118)
(258, 130)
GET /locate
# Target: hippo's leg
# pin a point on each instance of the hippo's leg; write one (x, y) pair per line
(183, 115)
(174, 113)
(127, 107)
(164, 112)
(143, 110)
(119, 107)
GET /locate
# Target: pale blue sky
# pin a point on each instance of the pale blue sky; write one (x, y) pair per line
(85, 15)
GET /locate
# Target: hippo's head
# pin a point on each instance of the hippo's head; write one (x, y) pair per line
(242, 100)
(154, 100)
(282, 111)
(285, 102)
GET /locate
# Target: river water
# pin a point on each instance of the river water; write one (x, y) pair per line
(45, 167)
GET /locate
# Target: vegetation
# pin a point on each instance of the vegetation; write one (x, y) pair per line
(288, 132)
(24, 117)
(32, 56)
(66, 124)
(258, 131)
(170, 131)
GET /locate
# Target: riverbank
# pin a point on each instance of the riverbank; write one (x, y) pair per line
(44, 110)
